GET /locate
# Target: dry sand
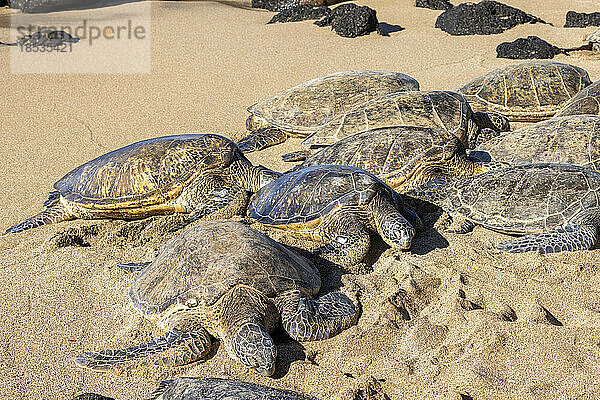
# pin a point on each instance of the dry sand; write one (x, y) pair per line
(452, 317)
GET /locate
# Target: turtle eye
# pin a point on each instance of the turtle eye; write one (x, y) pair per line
(191, 302)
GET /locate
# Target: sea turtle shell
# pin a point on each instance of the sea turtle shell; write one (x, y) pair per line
(445, 111)
(391, 154)
(312, 193)
(213, 256)
(585, 102)
(310, 105)
(573, 139)
(149, 172)
(530, 91)
(528, 199)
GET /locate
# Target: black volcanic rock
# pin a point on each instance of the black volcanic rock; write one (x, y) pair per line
(300, 13)
(44, 6)
(582, 20)
(350, 20)
(434, 4)
(485, 18)
(527, 48)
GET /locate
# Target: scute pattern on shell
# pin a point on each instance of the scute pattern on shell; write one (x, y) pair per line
(528, 91)
(525, 199)
(212, 257)
(220, 389)
(312, 104)
(447, 111)
(148, 172)
(312, 193)
(391, 154)
(570, 140)
(586, 101)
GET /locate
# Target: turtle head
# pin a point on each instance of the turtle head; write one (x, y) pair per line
(253, 346)
(396, 231)
(487, 126)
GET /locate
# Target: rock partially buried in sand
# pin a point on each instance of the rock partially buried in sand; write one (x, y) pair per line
(300, 13)
(45, 38)
(527, 48)
(434, 4)
(92, 396)
(224, 279)
(581, 20)
(220, 389)
(350, 20)
(280, 5)
(485, 18)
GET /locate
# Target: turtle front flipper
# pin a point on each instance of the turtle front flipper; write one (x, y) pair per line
(294, 156)
(175, 348)
(563, 238)
(348, 248)
(50, 215)
(261, 139)
(307, 319)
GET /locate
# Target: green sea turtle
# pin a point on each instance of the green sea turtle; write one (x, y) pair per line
(530, 91)
(573, 139)
(447, 111)
(556, 206)
(220, 389)
(44, 38)
(225, 279)
(338, 206)
(303, 109)
(586, 101)
(404, 157)
(205, 175)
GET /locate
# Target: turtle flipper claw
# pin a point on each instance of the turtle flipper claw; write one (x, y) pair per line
(261, 139)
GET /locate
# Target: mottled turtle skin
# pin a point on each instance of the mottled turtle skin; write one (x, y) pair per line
(594, 40)
(404, 157)
(585, 102)
(205, 175)
(556, 206)
(336, 205)
(573, 139)
(220, 389)
(530, 91)
(443, 110)
(302, 109)
(225, 279)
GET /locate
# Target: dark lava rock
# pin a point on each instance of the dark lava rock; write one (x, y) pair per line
(280, 5)
(581, 20)
(434, 4)
(3, 3)
(300, 13)
(484, 18)
(526, 48)
(350, 20)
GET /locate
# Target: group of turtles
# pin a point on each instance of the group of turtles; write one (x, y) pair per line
(372, 139)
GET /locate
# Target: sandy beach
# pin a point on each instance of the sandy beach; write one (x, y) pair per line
(453, 318)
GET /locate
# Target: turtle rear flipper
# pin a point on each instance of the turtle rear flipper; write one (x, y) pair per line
(307, 319)
(261, 139)
(175, 348)
(294, 156)
(563, 238)
(50, 215)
